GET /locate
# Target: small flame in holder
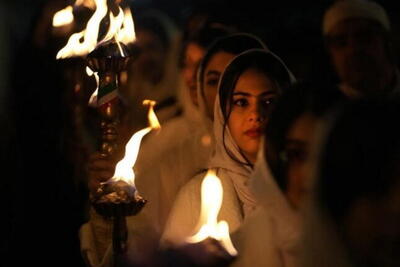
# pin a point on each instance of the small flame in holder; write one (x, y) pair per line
(211, 201)
(121, 29)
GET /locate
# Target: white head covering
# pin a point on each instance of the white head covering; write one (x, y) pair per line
(239, 173)
(164, 92)
(349, 9)
(248, 41)
(233, 162)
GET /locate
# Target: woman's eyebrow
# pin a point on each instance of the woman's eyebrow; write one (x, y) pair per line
(213, 72)
(241, 93)
(248, 94)
(269, 92)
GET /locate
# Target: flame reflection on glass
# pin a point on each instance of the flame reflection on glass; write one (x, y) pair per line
(211, 201)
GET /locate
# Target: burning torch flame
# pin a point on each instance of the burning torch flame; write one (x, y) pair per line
(66, 16)
(82, 43)
(127, 33)
(63, 17)
(124, 168)
(115, 25)
(74, 46)
(211, 201)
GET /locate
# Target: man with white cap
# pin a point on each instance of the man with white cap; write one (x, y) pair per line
(357, 37)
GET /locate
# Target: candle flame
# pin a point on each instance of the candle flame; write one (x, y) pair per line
(211, 201)
(124, 169)
(121, 29)
(151, 116)
(63, 17)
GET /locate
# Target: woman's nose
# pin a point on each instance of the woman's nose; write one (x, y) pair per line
(254, 114)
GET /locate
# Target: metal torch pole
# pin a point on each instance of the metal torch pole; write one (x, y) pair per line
(108, 61)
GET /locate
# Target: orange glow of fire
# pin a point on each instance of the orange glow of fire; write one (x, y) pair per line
(82, 43)
(63, 17)
(211, 201)
(124, 169)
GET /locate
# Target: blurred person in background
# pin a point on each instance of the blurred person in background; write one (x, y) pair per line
(357, 35)
(153, 73)
(353, 211)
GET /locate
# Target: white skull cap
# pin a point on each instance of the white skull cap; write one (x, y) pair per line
(349, 9)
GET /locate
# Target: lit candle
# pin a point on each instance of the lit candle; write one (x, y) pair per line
(211, 245)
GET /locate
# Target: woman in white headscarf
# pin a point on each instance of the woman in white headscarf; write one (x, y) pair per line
(271, 235)
(153, 73)
(252, 78)
(182, 148)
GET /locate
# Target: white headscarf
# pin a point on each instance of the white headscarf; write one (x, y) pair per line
(217, 46)
(350, 9)
(164, 92)
(233, 163)
(239, 173)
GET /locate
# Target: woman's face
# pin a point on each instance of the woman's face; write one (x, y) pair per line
(297, 146)
(193, 55)
(252, 89)
(210, 79)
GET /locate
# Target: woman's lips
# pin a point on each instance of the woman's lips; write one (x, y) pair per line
(253, 133)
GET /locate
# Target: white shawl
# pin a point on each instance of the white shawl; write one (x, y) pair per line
(270, 236)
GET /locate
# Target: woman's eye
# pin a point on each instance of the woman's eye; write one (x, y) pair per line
(240, 102)
(212, 82)
(267, 104)
(268, 101)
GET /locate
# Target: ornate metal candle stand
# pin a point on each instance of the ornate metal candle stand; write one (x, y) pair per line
(108, 60)
(116, 199)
